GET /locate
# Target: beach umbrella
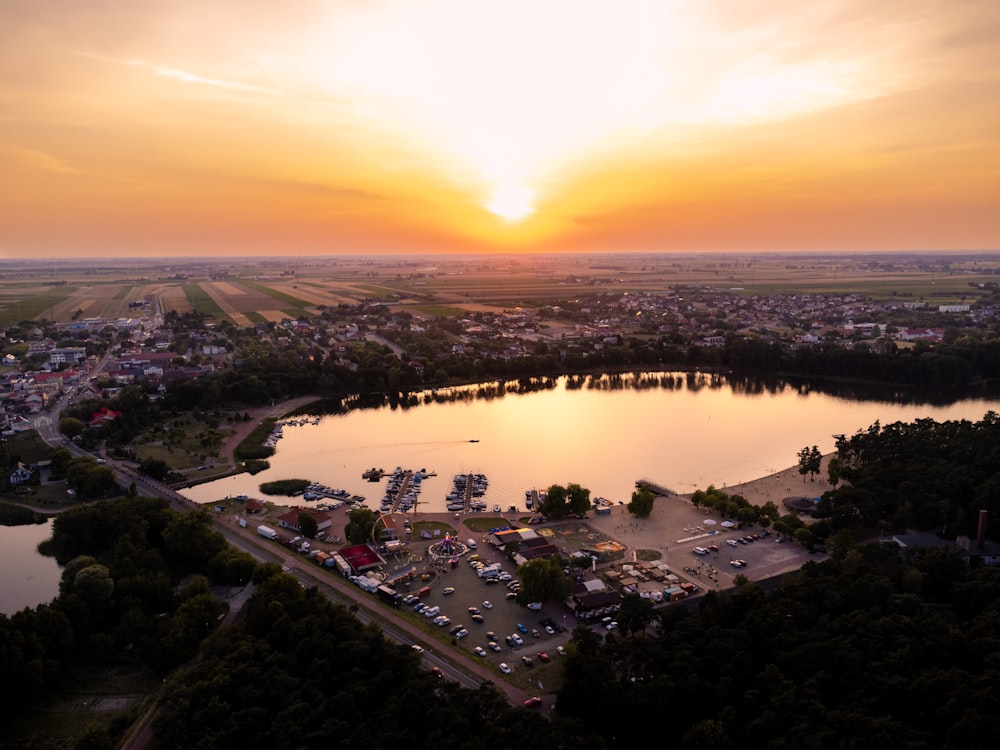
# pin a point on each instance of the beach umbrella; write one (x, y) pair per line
(709, 522)
(728, 524)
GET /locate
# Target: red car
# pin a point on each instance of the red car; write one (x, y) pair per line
(542, 656)
(436, 671)
(533, 701)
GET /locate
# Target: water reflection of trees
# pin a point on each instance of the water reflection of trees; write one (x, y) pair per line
(743, 384)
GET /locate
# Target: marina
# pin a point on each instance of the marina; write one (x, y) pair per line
(465, 493)
(403, 490)
(317, 491)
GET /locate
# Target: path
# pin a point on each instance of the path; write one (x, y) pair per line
(257, 415)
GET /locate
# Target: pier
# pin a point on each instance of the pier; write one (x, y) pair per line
(656, 489)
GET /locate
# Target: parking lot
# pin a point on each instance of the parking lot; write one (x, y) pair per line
(502, 618)
(676, 529)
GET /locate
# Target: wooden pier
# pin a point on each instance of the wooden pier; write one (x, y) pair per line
(656, 489)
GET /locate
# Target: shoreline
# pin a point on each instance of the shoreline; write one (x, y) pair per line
(779, 485)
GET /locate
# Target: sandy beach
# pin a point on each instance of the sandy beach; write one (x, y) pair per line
(776, 487)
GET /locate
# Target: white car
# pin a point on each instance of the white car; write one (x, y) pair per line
(535, 606)
(700, 551)
(561, 651)
(517, 639)
(448, 590)
(732, 543)
(479, 651)
(487, 605)
(504, 668)
(494, 646)
(418, 648)
(462, 633)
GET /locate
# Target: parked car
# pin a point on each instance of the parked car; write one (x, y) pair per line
(542, 656)
(504, 668)
(517, 639)
(494, 646)
(535, 606)
(479, 651)
(462, 633)
(532, 702)
(478, 618)
(732, 542)
(526, 660)
(561, 651)
(487, 604)
(448, 590)
(522, 627)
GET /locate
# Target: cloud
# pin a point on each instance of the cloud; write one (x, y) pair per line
(41, 161)
(188, 77)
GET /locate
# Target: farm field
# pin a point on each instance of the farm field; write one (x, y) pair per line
(255, 290)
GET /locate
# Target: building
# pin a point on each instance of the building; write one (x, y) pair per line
(290, 520)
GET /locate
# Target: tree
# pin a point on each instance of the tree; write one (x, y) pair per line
(59, 458)
(554, 505)
(641, 504)
(156, 468)
(71, 426)
(635, 614)
(542, 579)
(308, 525)
(579, 499)
(834, 469)
(94, 585)
(810, 461)
(88, 478)
(360, 524)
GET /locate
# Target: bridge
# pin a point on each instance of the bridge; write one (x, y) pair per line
(656, 489)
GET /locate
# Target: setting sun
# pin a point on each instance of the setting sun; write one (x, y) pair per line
(511, 202)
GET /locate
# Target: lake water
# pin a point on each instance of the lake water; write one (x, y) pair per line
(684, 438)
(26, 577)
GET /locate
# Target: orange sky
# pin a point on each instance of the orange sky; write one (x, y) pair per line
(184, 127)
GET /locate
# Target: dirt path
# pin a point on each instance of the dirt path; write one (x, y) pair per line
(257, 415)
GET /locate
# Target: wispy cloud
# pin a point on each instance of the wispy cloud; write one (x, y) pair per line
(189, 77)
(41, 160)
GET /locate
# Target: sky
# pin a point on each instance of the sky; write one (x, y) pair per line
(251, 127)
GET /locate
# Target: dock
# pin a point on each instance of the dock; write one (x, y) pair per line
(656, 489)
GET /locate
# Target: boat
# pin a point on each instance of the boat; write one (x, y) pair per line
(473, 441)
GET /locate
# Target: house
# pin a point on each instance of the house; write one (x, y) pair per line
(20, 475)
(290, 520)
(103, 415)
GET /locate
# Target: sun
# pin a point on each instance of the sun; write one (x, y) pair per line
(511, 202)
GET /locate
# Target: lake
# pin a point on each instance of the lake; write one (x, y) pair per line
(26, 577)
(685, 437)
